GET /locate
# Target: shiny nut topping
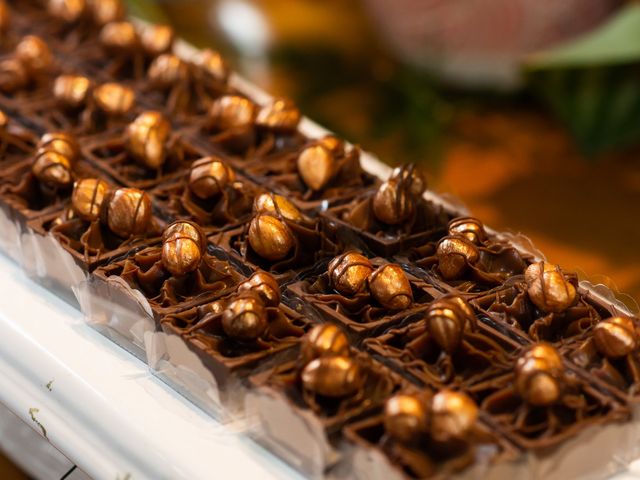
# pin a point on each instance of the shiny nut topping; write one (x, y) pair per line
(232, 111)
(71, 90)
(59, 142)
(67, 10)
(87, 198)
(447, 320)
(13, 75)
(390, 286)
(616, 337)
(454, 254)
(468, 227)
(114, 99)
(34, 54)
(281, 114)
(157, 39)
(183, 244)
(316, 166)
(106, 11)
(393, 203)
(245, 318)
(213, 64)
(406, 418)
(539, 375)
(349, 272)
(53, 169)
(146, 139)
(411, 178)
(270, 237)
(276, 205)
(334, 376)
(265, 285)
(453, 416)
(324, 340)
(128, 212)
(4, 121)
(548, 288)
(119, 37)
(167, 70)
(209, 176)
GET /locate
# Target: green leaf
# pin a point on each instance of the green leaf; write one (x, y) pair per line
(616, 42)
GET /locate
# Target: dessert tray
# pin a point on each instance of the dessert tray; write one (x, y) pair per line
(273, 288)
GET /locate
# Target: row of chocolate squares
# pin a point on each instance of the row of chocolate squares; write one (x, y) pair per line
(438, 338)
(146, 155)
(304, 375)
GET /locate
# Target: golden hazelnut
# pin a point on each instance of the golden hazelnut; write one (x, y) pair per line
(411, 178)
(265, 285)
(270, 237)
(406, 418)
(616, 337)
(157, 39)
(316, 166)
(128, 212)
(276, 205)
(4, 120)
(60, 142)
(454, 254)
(468, 227)
(106, 11)
(392, 203)
(213, 64)
(147, 136)
(281, 114)
(167, 70)
(349, 272)
(67, 10)
(232, 111)
(333, 376)
(53, 169)
(548, 288)
(209, 176)
(87, 198)
(539, 374)
(13, 75)
(245, 318)
(71, 90)
(391, 288)
(324, 340)
(183, 244)
(453, 416)
(119, 37)
(34, 54)
(114, 99)
(447, 320)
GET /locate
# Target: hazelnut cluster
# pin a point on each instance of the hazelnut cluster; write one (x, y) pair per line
(55, 156)
(74, 92)
(126, 212)
(395, 202)
(270, 232)
(327, 365)
(31, 59)
(98, 12)
(539, 375)
(352, 273)
(245, 316)
(446, 417)
(459, 249)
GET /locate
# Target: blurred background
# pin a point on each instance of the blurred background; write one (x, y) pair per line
(527, 110)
